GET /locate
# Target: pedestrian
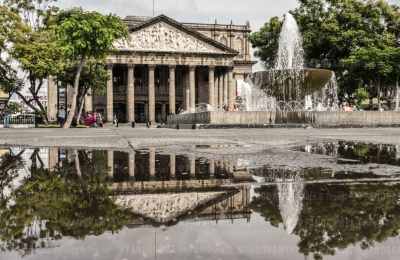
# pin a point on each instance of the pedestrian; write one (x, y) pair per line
(115, 121)
(61, 117)
(99, 119)
(6, 120)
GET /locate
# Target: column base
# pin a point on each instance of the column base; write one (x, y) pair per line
(151, 124)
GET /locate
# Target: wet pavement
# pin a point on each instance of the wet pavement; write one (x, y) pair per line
(320, 200)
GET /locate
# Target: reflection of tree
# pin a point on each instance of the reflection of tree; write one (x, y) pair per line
(53, 204)
(9, 165)
(337, 216)
(267, 204)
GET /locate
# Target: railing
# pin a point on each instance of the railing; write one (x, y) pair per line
(18, 121)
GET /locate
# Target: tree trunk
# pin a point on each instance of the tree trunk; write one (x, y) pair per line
(82, 102)
(397, 95)
(34, 89)
(379, 95)
(77, 164)
(75, 94)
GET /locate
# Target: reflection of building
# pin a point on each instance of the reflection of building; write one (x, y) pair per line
(165, 187)
(166, 66)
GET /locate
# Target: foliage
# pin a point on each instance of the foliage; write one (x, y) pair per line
(33, 48)
(51, 204)
(335, 217)
(94, 76)
(361, 95)
(14, 107)
(267, 41)
(11, 29)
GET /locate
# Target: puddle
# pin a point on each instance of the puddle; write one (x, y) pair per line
(355, 152)
(80, 204)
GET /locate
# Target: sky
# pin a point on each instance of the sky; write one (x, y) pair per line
(206, 11)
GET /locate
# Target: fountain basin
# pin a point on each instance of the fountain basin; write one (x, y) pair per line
(290, 84)
(270, 119)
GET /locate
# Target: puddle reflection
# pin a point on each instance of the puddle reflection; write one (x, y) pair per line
(53, 200)
(355, 152)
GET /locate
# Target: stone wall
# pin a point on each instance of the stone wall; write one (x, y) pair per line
(316, 119)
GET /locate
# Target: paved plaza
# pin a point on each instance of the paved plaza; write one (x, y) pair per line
(127, 138)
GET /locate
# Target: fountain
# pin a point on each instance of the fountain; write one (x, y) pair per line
(288, 95)
(289, 86)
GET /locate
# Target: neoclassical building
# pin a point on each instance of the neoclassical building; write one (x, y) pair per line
(165, 67)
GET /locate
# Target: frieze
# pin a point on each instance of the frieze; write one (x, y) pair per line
(162, 37)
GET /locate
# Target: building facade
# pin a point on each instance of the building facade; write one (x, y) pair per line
(165, 67)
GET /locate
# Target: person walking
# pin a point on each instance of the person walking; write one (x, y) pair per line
(99, 119)
(115, 121)
(61, 117)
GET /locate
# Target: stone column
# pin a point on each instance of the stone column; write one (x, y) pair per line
(163, 111)
(187, 94)
(211, 168)
(220, 91)
(172, 95)
(216, 90)
(172, 165)
(53, 158)
(89, 101)
(192, 165)
(52, 100)
(110, 96)
(226, 88)
(131, 93)
(131, 164)
(231, 90)
(110, 164)
(152, 162)
(192, 84)
(152, 97)
(211, 86)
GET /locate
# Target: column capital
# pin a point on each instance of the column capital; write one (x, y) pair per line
(110, 66)
(211, 67)
(152, 66)
(172, 66)
(131, 65)
(192, 67)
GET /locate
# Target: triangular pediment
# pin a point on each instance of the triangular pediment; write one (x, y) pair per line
(164, 208)
(162, 34)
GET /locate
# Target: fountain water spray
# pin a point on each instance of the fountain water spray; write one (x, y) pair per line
(289, 86)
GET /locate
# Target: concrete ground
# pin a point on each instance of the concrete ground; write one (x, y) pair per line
(255, 147)
(127, 138)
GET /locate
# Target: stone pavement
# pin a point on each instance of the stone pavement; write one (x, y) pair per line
(127, 138)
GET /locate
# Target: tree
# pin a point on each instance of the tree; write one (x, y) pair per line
(85, 36)
(93, 79)
(52, 204)
(267, 40)
(40, 57)
(11, 29)
(34, 52)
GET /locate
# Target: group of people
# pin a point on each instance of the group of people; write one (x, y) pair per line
(93, 119)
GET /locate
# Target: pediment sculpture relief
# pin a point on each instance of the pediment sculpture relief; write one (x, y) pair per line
(162, 37)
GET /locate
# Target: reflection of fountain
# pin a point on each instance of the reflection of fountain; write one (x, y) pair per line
(289, 86)
(291, 194)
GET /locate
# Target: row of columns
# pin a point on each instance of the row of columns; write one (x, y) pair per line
(221, 91)
(172, 164)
